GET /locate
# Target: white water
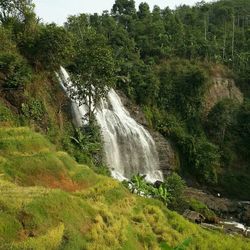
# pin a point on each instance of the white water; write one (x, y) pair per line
(129, 148)
(237, 225)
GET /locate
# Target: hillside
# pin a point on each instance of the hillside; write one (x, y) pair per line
(183, 74)
(48, 201)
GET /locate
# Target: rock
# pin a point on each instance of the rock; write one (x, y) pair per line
(168, 157)
(157, 184)
(221, 88)
(223, 207)
(193, 216)
(246, 213)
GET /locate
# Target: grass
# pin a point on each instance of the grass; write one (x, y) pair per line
(48, 201)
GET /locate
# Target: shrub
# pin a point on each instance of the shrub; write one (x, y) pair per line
(14, 71)
(33, 109)
(175, 185)
(169, 192)
(6, 42)
(57, 43)
(6, 114)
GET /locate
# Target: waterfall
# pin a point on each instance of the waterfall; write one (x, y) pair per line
(129, 147)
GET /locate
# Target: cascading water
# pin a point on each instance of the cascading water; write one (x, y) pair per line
(129, 148)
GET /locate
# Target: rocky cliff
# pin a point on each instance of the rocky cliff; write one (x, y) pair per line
(221, 88)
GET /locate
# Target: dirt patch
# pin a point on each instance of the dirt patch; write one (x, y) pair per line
(61, 181)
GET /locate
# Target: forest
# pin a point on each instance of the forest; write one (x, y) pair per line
(165, 62)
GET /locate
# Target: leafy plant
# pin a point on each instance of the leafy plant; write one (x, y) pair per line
(139, 185)
(15, 72)
(161, 193)
(33, 109)
(168, 192)
(85, 142)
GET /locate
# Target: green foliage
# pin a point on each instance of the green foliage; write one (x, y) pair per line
(84, 142)
(139, 185)
(93, 68)
(201, 208)
(220, 119)
(198, 155)
(181, 90)
(16, 9)
(14, 71)
(33, 109)
(88, 140)
(169, 192)
(235, 183)
(58, 44)
(7, 44)
(243, 127)
(175, 186)
(5, 114)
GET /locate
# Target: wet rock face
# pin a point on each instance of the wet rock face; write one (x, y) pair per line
(223, 207)
(246, 212)
(221, 88)
(168, 156)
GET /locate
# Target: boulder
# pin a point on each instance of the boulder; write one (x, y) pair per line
(194, 216)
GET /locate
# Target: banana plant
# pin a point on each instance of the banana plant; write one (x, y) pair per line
(138, 184)
(162, 193)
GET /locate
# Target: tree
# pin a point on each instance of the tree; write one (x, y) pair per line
(17, 9)
(144, 11)
(50, 47)
(124, 11)
(94, 72)
(14, 71)
(124, 7)
(220, 118)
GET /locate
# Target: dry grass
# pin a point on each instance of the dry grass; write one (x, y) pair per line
(48, 201)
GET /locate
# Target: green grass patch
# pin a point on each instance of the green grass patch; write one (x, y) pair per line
(48, 201)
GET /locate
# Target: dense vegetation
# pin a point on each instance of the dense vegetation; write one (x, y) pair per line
(163, 60)
(166, 62)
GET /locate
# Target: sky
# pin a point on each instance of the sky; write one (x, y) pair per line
(58, 10)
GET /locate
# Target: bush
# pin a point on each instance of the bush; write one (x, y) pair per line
(6, 114)
(175, 185)
(220, 119)
(33, 109)
(6, 42)
(14, 71)
(198, 155)
(169, 192)
(182, 85)
(57, 43)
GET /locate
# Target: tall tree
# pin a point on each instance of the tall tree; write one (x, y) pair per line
(94, 72)
(19, 9)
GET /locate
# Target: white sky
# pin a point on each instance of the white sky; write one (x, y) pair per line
(58, 10)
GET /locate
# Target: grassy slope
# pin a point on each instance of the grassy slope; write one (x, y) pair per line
(48, 201)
